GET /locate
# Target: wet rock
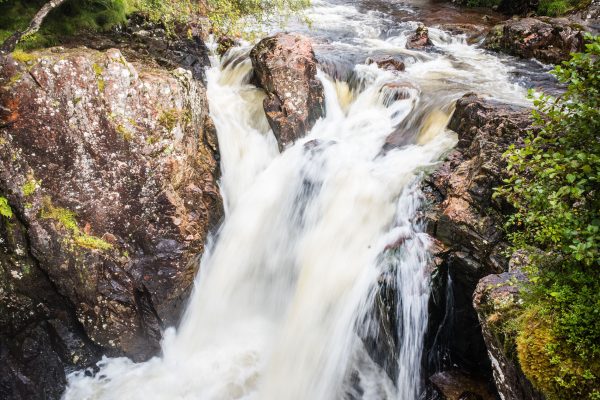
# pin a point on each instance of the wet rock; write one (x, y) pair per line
(286, 68)
(112, 168)
(387, 63)
(456, 385)
(39, 332)
(497, 302)
(420, 39)
(468, 222)
(549, 40)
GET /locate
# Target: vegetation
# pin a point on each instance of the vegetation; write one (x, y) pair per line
(232, 17)
(551, 8)
(67, 220)
(554, 186)
(5, 209)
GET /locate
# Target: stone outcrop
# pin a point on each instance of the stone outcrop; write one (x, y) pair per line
(286, 68)
(388, 63)
(466, 223)
(549, 40)
(456, 385)
(497, 302)
(420, 39)
(110, 170)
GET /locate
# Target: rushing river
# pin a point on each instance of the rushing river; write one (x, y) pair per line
(289, 280)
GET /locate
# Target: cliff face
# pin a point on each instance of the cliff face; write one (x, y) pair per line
(466, 222)
(110, 170)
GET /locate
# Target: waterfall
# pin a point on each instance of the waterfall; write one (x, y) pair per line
(287, 288)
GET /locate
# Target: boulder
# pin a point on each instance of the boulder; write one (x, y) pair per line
(467, 221)
(110, 169)
(286, 68)
(549, 40)
(388, 63)
(420, 39)
(456, 385)
(497, 302)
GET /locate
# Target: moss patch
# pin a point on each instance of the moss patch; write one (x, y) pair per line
(5, 209)
(21, 56)
(124, 132)
(30, 187)
(67, 220)
(98, 71)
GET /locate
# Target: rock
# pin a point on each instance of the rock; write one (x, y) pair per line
(464, 218)
(39, 332)
(518, 7)
(286, 68)
(420, 39)
(98, 159)
(387, 63)
(549, 40)
(456, 385)
(497, 302)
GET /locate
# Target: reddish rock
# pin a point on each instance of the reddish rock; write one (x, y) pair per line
(286, 68)
(420, 39)
(456, 385)
(98, 159)
(388, 63)
(550, 40)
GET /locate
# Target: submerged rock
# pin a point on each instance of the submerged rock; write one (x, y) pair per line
(110, 169)
(388, 63)
(549, 40)
(497, 302)
(286, 68)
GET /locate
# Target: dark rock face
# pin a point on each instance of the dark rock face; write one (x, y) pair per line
(518, 7)
(420, 39)
(549, 40)
(285, 67)
(466, 223)
(110, 169)
(496, 300)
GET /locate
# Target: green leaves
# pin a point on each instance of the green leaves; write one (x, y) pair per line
(553, 183)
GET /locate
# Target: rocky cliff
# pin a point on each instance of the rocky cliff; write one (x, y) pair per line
(109, 168)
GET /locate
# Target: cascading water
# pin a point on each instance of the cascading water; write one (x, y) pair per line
(290, 280)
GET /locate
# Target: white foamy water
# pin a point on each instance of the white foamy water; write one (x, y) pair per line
(290, 280)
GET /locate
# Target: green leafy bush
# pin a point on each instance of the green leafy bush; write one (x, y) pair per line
(554, 186)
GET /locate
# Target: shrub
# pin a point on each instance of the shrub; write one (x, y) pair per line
(554, 186)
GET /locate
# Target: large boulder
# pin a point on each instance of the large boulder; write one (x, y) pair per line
(110, 169)
(498, 303)
(286, 68)
(550, 40)
(466, 222)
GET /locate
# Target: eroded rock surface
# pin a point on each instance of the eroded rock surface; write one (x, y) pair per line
(110, 169)
(549, 40)
(286, 68)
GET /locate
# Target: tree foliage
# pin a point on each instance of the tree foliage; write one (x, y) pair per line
(554, 186)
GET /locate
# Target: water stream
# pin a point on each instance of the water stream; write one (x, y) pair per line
(290, 278)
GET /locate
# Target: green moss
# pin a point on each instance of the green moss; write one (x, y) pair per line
(169, 119)
(67, 220)
(98, 71)
(124, 132)
(30, 187)
(551, 365)
(20, 55)
(5, 209)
